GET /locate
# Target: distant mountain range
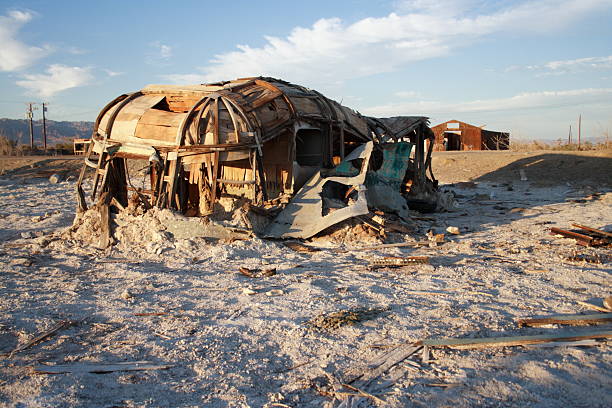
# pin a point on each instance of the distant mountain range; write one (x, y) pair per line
(57, 132)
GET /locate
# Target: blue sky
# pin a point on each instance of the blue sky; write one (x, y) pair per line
(528, 67)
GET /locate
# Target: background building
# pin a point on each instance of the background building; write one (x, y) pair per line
(456, 135)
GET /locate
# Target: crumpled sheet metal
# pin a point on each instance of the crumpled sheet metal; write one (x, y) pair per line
(384, 185)
(302, 218)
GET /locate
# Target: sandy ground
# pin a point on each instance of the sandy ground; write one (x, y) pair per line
(235, 341)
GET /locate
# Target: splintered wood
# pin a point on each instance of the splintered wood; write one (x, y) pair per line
(392, 261)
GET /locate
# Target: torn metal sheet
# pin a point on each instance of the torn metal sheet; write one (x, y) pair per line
(384, 184)
(303, 217)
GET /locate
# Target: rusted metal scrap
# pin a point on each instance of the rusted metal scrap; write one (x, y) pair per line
(591, 237)
(260, 140)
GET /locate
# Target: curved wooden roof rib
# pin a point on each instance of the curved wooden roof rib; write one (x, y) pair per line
(182, 129)
(105, 109)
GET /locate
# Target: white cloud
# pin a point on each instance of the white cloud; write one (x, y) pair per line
(14, 54)
(111, 73)
(567, 66)
(331, 49)
(527, 100)
(58, 78)
(160, 52)
(580, 64)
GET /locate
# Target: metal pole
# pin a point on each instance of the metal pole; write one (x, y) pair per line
(569, 136)
(29, 115)
(44, 109)
(579, 128)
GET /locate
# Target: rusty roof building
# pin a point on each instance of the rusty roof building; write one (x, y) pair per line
(457, 135)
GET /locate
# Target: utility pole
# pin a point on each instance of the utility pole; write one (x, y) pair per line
(44, 109)
(579, 129)
(29, 116)
(569, 136)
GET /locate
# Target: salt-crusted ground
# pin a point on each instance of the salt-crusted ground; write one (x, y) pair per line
(231, 348)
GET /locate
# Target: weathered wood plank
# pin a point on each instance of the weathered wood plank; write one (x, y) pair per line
(99, 368)
(514, 340)
(44, 335)
(574, 320)
(594, 230)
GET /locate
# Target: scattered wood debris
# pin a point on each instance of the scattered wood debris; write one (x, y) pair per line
(397, 262)
(586, 237)
(44, 335)
(99, 368)
(594, 230)
(594, 258)
(595, 307)
(294, 367)
(335, 320)
(361, 378)
(383, 246)
(434, 238)
(151, 314)
(515, 340)
(299, 247)
(572, 320)
(257, 273)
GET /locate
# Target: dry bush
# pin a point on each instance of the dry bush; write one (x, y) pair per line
(7, 146)
(525, 146)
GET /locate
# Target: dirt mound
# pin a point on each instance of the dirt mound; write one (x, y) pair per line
(543, 168)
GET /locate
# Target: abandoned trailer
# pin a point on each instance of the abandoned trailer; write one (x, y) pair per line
(213, 147)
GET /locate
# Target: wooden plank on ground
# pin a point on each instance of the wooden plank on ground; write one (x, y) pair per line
(579, 343)
(594, 307)
(99, 367)
(593, 230)
(44, 335)
(515, 340)
(573, 320)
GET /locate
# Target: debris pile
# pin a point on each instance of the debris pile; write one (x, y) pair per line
(587, 236)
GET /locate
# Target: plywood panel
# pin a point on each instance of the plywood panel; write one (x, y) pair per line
(159, 125)
(125, 124)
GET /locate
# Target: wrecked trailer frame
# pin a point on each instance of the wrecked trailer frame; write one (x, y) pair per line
(255, 139)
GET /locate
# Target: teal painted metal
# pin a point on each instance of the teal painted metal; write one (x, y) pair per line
(396, 158)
